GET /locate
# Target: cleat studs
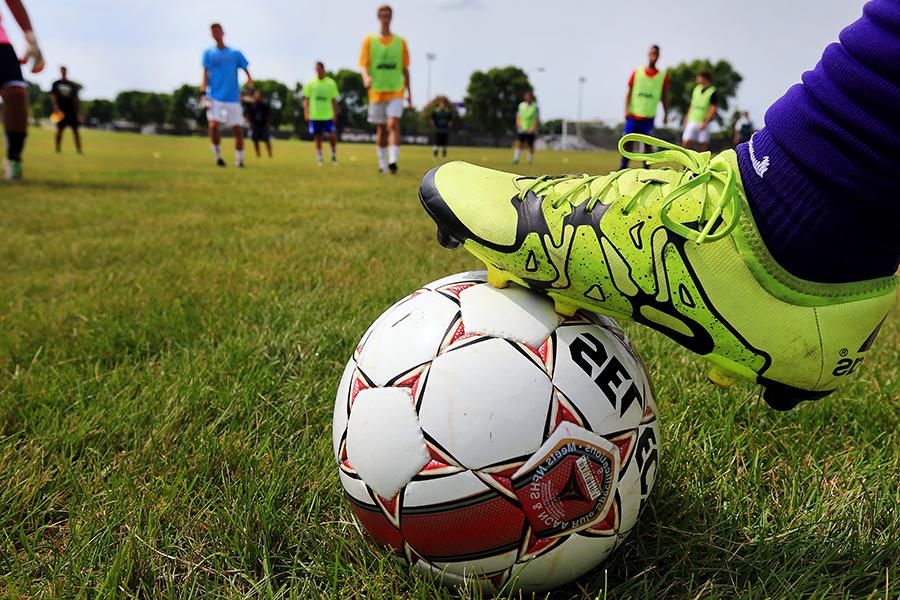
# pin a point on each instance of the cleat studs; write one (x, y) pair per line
(566, 310)
(496, 277)
(446, 240)
(720, 378)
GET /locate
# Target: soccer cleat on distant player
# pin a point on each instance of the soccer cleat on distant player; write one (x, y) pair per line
(677, 250)
(392, 168)
(12, 170)
(220, 162)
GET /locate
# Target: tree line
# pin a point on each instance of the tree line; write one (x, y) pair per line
(491, 102)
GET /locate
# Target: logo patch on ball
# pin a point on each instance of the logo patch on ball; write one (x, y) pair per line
(569, 483)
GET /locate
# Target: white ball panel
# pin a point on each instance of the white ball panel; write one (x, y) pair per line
(407, 336)
(438, 490)
(356, 488)
(485, 403)
(376, 323)
(458, 278)
(339, 419)
(594, 371)
(513, 313)
(481, 566)
(573, 558)
(384, 442)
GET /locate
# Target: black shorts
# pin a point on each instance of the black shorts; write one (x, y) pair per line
(10, 69)
(259, 134)
(70, 119)
(441, 138)
(526, 138)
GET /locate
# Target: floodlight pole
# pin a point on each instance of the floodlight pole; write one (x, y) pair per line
(581, 81)
(430, 56)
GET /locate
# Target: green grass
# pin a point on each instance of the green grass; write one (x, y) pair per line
(171, 335)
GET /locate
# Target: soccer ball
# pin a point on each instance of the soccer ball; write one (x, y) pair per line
(487, 440)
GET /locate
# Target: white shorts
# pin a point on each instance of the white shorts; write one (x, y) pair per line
(229, 114)
(693, 133)
(380, 112)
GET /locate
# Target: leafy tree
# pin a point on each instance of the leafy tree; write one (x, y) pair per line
(184, 106)
(99, 111)
(354, 102)
(553, 127)
(682, 82)
(39, 103)
(425, 115)
(155, 106)
(493, 97)
(292, 111)
(130, 106)
(409, 121)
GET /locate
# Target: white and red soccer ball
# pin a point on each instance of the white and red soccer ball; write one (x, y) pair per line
(484, 438)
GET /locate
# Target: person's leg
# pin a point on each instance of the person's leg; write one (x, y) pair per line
(393, 143)
(60, 127)
(531, 149)
(332, 138)
(15, 122)
(821, 176)
(255, 139)
(517, 151)
(238, 133)
(318, 142)
(381, 142)
(76, 133)
(215, 139)
(268, 140)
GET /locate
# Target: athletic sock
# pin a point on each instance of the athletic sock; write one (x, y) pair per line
(530, 158)
(333, 155)
(434, 149)
(217, 150)
(238, 157)
(821, 177)
(318, 156)
(393, 154)
(517, 154)
(15, 142)
(382, 158)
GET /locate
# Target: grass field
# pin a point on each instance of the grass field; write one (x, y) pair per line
(171, 336)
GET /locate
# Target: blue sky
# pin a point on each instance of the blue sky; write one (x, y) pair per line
(156, 44)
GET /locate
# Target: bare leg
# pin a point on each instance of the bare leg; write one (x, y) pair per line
(77, 134)
(15, 121)
(269, 148)
(59, 132)
(238, 132)
(214, 135)
(256, 146)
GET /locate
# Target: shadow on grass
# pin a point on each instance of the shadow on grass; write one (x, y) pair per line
(688, 546)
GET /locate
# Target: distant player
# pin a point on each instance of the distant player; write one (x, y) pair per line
(527, 121)
(320, 111)
(441, 121)
(13, 89)
(259, 116)
(223, 94)
(64, 95)
(743, 129)
(647, 86)
(703, 108)
(384, 61)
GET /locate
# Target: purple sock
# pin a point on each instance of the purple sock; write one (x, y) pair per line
(823, 177)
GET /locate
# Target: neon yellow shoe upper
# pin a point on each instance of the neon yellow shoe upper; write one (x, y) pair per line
(672, 248)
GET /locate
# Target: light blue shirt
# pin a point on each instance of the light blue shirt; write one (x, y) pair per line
(223, 65)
